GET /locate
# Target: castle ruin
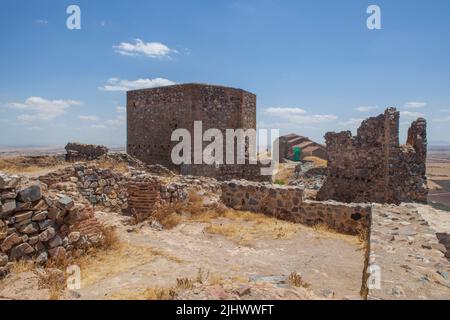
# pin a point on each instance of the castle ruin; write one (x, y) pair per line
(153, 114)
(373, 166)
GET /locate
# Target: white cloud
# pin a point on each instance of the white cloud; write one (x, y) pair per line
(88, 118)
(284, 111)
(116, 122)
(313, 119)
(38, 108)
(415, 105)
(115, 84)
(366, 108)
(98, 126)
(445, 119)
(411, 115)
(141, 48)
(121, 109)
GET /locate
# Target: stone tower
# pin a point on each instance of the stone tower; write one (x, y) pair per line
(153, 114)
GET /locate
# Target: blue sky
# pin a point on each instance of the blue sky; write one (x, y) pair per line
(314, 65)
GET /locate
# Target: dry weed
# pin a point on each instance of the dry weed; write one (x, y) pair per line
(21, 266)
(114, 165)
(297, 280)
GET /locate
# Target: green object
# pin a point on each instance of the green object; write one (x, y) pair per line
(297, 153)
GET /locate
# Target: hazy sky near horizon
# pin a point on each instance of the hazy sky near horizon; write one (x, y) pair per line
(314, 65)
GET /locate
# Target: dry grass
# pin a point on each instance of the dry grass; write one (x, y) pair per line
(242, 227)
(239, 226)
(168, 217)
(318, 162)
(159, 294)
(285, 172)
(156, 293)
(117, 166)
(56, 283)
(22, 266)
(17, 165)
(185, 283)
(324, 231)
(296, 280)
(112, 257)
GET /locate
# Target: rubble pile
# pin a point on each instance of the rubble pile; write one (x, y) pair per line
(39, 224)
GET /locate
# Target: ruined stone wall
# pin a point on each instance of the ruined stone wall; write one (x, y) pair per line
(153, 114)
(373, 167)
(84, 152)
(288, 203)
(109, 190)
(226, 172)
(38, 224)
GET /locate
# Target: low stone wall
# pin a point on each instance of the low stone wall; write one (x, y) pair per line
(83, 152)
(102, 187)
(225, 172)
(286, 202)
(266, 198)
(109, 190)
(38, 224)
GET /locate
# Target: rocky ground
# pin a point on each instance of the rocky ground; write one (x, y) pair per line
(217, 265)
(220, 253)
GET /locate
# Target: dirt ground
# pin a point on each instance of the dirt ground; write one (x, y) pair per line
(219, 265)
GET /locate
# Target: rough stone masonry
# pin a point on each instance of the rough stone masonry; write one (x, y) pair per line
(373, 166)
(153, 115)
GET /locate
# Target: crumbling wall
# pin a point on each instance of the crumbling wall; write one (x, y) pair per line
(224, 172)
(373, 166)
(288, 203)
(84, 152)
(153, 115)
(109, 190)
(39, 224)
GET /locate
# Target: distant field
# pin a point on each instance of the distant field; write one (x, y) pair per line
(438, 172)
(7, 151)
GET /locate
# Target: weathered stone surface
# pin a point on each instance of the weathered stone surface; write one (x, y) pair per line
(74, 237)
(373, 166)
(33, 240)
(7, 206)
(82, 152)
(30, 228)
(400, 258)
(65, 203)
(287, 203)
(57, 253)
(40, 216)
(55, 213)
(30, 194)
(10, 241)
(47, 235)
(8, 182)
(23, 216)
(42, 258)
(173, 107)
(20, 250)
(46, 223)
(56, 241)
